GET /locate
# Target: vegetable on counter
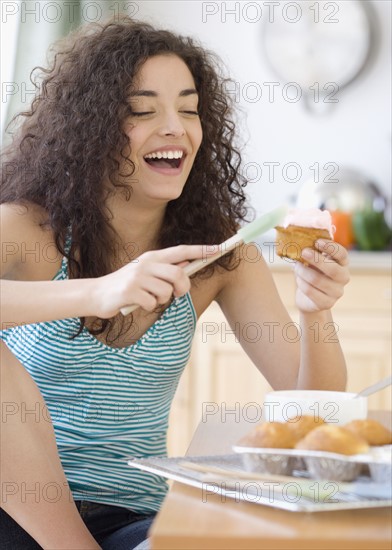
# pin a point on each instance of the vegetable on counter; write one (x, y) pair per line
(371, 231)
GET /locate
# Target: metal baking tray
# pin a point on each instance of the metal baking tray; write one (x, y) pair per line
(225, 475)
(380, 455)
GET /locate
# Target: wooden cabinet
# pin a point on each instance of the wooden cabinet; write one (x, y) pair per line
(220, 374)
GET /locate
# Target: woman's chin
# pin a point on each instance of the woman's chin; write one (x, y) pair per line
(167, 193)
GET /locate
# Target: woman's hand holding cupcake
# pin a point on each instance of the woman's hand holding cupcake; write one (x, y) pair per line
(321, 267)
(321, 281)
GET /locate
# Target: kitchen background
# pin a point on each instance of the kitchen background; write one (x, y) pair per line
(289, 62)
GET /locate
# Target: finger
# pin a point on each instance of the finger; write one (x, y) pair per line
(319, 280)
(326, 265)
(173, 274)
(181, 253)
(159, 288)
(321, 300)
(145, 300)
(333, 250)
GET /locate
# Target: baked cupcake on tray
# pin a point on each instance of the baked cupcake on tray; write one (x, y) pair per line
(273, 435)
(301, 229)
(301, 425)
(333, 439)
(371, 431)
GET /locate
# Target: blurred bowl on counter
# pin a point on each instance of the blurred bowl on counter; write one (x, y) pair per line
(357, 207)
(334, 407)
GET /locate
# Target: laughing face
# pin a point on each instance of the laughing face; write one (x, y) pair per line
(164, 129)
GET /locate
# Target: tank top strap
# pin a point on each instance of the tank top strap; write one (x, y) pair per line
(63, 271)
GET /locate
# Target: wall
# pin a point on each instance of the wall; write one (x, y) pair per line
(28, 29)
(355, 132)
(8, 43)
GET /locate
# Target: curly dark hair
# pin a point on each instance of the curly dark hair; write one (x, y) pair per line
(72, 138)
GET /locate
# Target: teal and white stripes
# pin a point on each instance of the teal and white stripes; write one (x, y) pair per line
(108, 404)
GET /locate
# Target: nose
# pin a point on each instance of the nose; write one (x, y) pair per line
(172, 125)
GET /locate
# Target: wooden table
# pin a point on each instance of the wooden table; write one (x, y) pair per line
(190, 520)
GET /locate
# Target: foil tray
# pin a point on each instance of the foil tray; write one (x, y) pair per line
(226, 476)
(319, 464)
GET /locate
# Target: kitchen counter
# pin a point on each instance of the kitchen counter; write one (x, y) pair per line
(378, 261)
(359, 261)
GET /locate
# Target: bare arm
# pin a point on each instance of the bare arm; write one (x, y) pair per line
(34, 490)
(24, 302)
(286, 358)
(319, 286)
(149, 281)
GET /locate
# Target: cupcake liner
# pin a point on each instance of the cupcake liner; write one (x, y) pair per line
(331, 469)
(376, 464)
(381, 473)
(381, 465)
(268, 463)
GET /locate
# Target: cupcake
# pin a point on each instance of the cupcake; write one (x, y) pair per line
(269, 435)
(302, 425)
(333, 439)
(275, 435)
(301, 229)
(371, 431)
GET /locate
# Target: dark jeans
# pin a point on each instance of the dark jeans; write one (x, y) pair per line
(114, 528)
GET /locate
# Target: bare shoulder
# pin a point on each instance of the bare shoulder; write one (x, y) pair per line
(28, 214)
(249, 261)
(249, 270)
(251, 276)
(28, 248)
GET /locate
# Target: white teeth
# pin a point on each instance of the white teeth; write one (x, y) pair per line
(165, 155)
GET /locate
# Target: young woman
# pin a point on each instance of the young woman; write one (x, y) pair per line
(122, 172)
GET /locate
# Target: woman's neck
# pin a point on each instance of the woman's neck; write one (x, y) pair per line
(138, 229)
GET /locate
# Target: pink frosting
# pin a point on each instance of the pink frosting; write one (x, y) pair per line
(310, 217)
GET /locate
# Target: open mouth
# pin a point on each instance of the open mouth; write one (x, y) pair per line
(165, 159)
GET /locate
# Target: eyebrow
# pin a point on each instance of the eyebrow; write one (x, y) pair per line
(151, 93)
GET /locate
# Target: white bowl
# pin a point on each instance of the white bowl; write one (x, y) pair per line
(334, 407)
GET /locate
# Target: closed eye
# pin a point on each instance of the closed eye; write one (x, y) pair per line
(144, 113)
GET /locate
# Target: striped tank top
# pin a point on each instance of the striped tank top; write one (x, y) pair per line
(108, 404)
